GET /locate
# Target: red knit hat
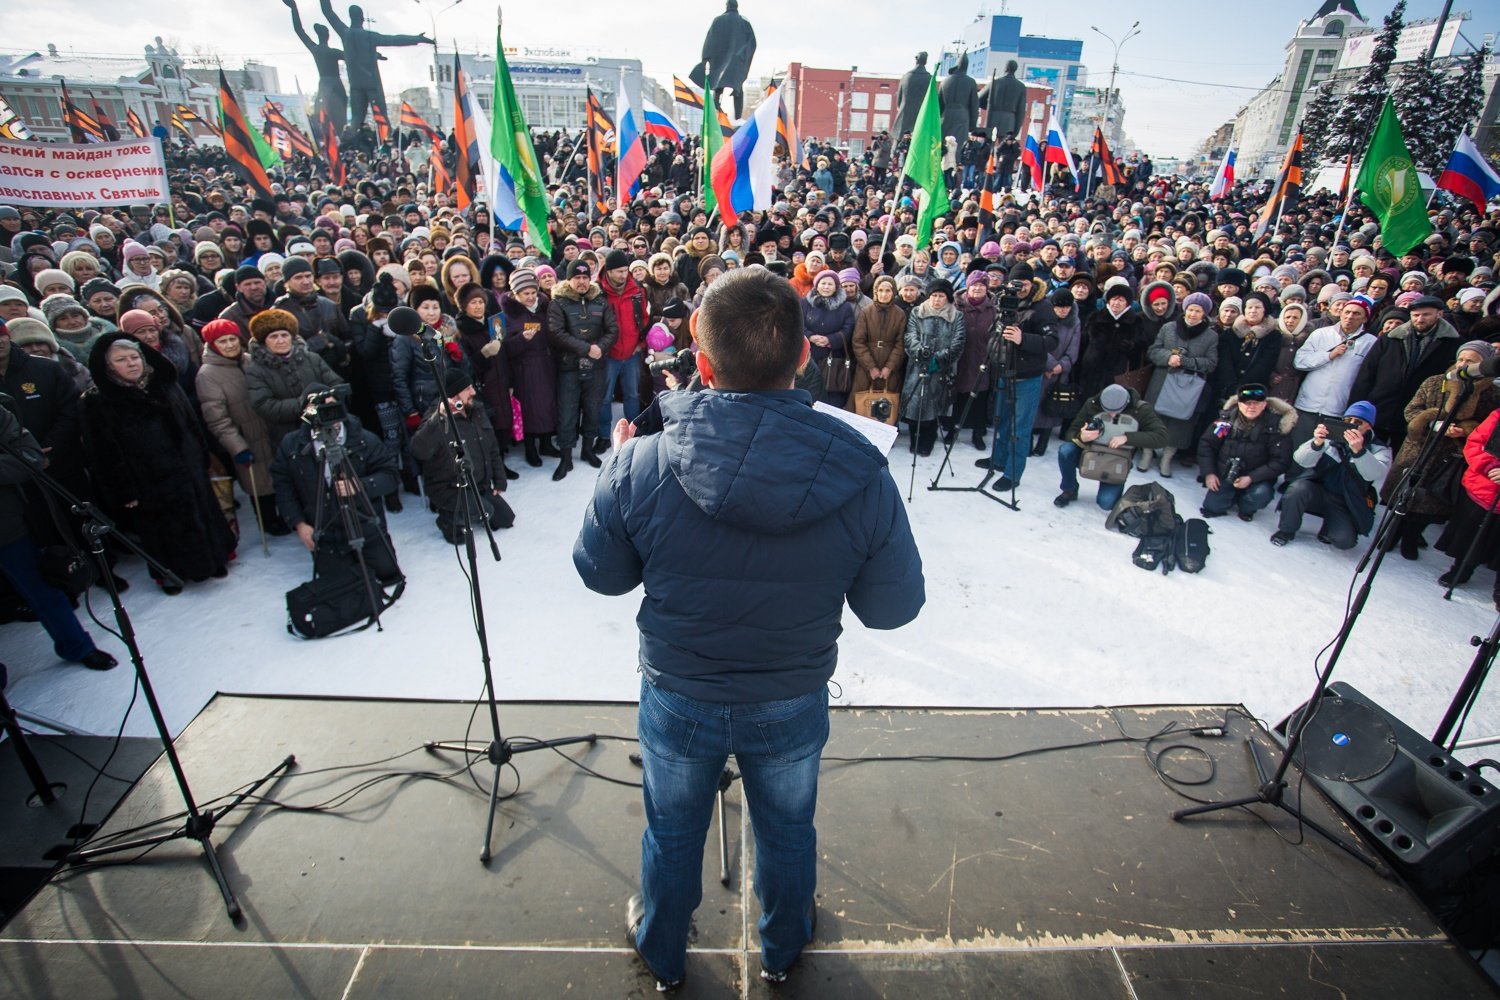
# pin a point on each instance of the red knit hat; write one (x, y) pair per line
(216, 328)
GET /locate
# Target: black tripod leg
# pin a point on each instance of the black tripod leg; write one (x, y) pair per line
(489, 824)
(29, 764)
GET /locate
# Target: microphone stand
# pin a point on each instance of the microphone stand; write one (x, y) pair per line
(199, 824)
(1272, 790)
(499, 750)
(45, 792)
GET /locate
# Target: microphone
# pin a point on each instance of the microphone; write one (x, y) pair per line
(1488, 368)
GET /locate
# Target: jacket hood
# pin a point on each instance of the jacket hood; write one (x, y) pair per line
(162, 371)
(766, 462)
(563, 290)
(1171, 299)
(1278, 409)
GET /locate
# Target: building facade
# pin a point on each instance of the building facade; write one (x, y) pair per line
(1093, 108)
(550, 83)
(842, 106)
(993, 39)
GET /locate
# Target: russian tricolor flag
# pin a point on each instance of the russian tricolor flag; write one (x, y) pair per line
(631, 151)
(659, 123)
(1031, 158)
(1224, 179)
(1468, 175)
(1057, 150)
(742, 173)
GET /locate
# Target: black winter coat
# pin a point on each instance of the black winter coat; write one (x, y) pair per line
(577, 322)
(1397, 366)
(148, 448)
(15, 473)
(297, 474)
(1112, 346)
(1263, 447)
(48, 403)
(323, 326)
(277, 384)
(491, 374)
(430, 446)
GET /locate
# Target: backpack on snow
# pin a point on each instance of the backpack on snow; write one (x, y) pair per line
(1147, 509)
(1190, 547)
(1156, 551)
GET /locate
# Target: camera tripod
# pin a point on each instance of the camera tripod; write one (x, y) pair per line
(997, 349)
(498, 751)
(352, 513)
(199, 823)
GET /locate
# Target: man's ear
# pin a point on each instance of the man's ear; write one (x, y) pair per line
(705, 369)
(806, 350)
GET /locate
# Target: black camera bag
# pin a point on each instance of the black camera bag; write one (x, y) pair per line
(336, 599)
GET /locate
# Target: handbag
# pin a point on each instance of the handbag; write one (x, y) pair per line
(836, 374)
(1179, 395)
(868, 401)
(1104, 464)
(1135, 379)
(517, 425)
(65, 568)
(1440, 482)
(1062, 402)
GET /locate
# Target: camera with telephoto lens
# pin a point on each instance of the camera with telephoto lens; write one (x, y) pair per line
(1233, 472)
(881, 410)
(326, 407)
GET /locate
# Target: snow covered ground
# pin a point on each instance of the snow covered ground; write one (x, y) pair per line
(1040, 607)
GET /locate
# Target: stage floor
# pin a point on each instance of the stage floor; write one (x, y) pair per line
(1057, 874)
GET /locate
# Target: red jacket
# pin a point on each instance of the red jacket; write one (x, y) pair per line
(630, 309)
(1477, 483)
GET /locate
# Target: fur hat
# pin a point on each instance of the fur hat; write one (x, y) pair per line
(25, 330)
(268, 321)
(54, 306)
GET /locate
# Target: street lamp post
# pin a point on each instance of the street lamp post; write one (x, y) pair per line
(437, 68)
(1135, 29)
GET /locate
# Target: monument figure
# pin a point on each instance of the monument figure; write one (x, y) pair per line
(362, 60)
(331, 95)
(727, 50)
(910, 94)
(959, 95)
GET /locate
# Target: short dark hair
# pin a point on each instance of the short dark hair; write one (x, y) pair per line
(750, 325)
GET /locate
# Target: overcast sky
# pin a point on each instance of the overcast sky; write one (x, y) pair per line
(1217, 57)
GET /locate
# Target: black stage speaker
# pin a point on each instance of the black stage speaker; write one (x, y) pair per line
(1434, 818)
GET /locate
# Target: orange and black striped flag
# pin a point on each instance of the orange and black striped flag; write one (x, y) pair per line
(685, 93)
(786, 129)
(1286, 193)
(176, 122)
(111, 134)
(989, 194)
(187, 114)
(1344, 185)
(238, 143)
(296, 142)
(438, 178)
(382, 123)
(136, 125)
(468, 169)
(597, 138)
(328, 140)
(82, 126)
(410, 119)
(1104, 160)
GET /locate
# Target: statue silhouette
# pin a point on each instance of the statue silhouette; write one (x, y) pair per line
(331, 95)
(362, 60)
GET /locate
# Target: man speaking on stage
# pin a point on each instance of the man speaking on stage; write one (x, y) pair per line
(750, 518)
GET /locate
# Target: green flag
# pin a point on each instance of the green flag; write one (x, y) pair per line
(519, 191)
(713, 138)
(1389, 186)
(924, 164)
(264, 151)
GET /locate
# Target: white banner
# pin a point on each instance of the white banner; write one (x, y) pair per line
(63, 175)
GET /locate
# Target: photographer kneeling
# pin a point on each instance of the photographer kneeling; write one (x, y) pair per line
(330, 475)
(432, 446)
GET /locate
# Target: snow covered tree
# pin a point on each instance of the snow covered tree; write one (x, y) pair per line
(1460, 102)
(1361, 110)
(1418, 99)
(1318, 124)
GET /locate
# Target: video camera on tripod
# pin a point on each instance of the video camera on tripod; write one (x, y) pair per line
(1007, 313)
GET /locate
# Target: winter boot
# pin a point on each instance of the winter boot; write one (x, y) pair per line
(590, 455)
(1167, 454)
(533, 458)
(1040, 438)
(564, 467)
(393, 502)
(547, 448)
(1143, 459)
(271, 518)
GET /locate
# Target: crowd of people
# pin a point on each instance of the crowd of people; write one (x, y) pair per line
(161, 357)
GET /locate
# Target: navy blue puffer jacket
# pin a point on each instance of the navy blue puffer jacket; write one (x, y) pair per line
(750, 518)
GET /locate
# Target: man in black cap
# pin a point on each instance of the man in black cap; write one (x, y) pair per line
(432, 445)
(1401, 361)
(319, 321)
(582, 328)
(249, 298)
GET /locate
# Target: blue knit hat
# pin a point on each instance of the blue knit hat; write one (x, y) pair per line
(1363, 410)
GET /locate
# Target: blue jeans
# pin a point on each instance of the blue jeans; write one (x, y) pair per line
(971, 175)
(1255, 497)
(1028, 397)
(18, 563)
(1067, 463)
(684, 745)
(629, 373)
